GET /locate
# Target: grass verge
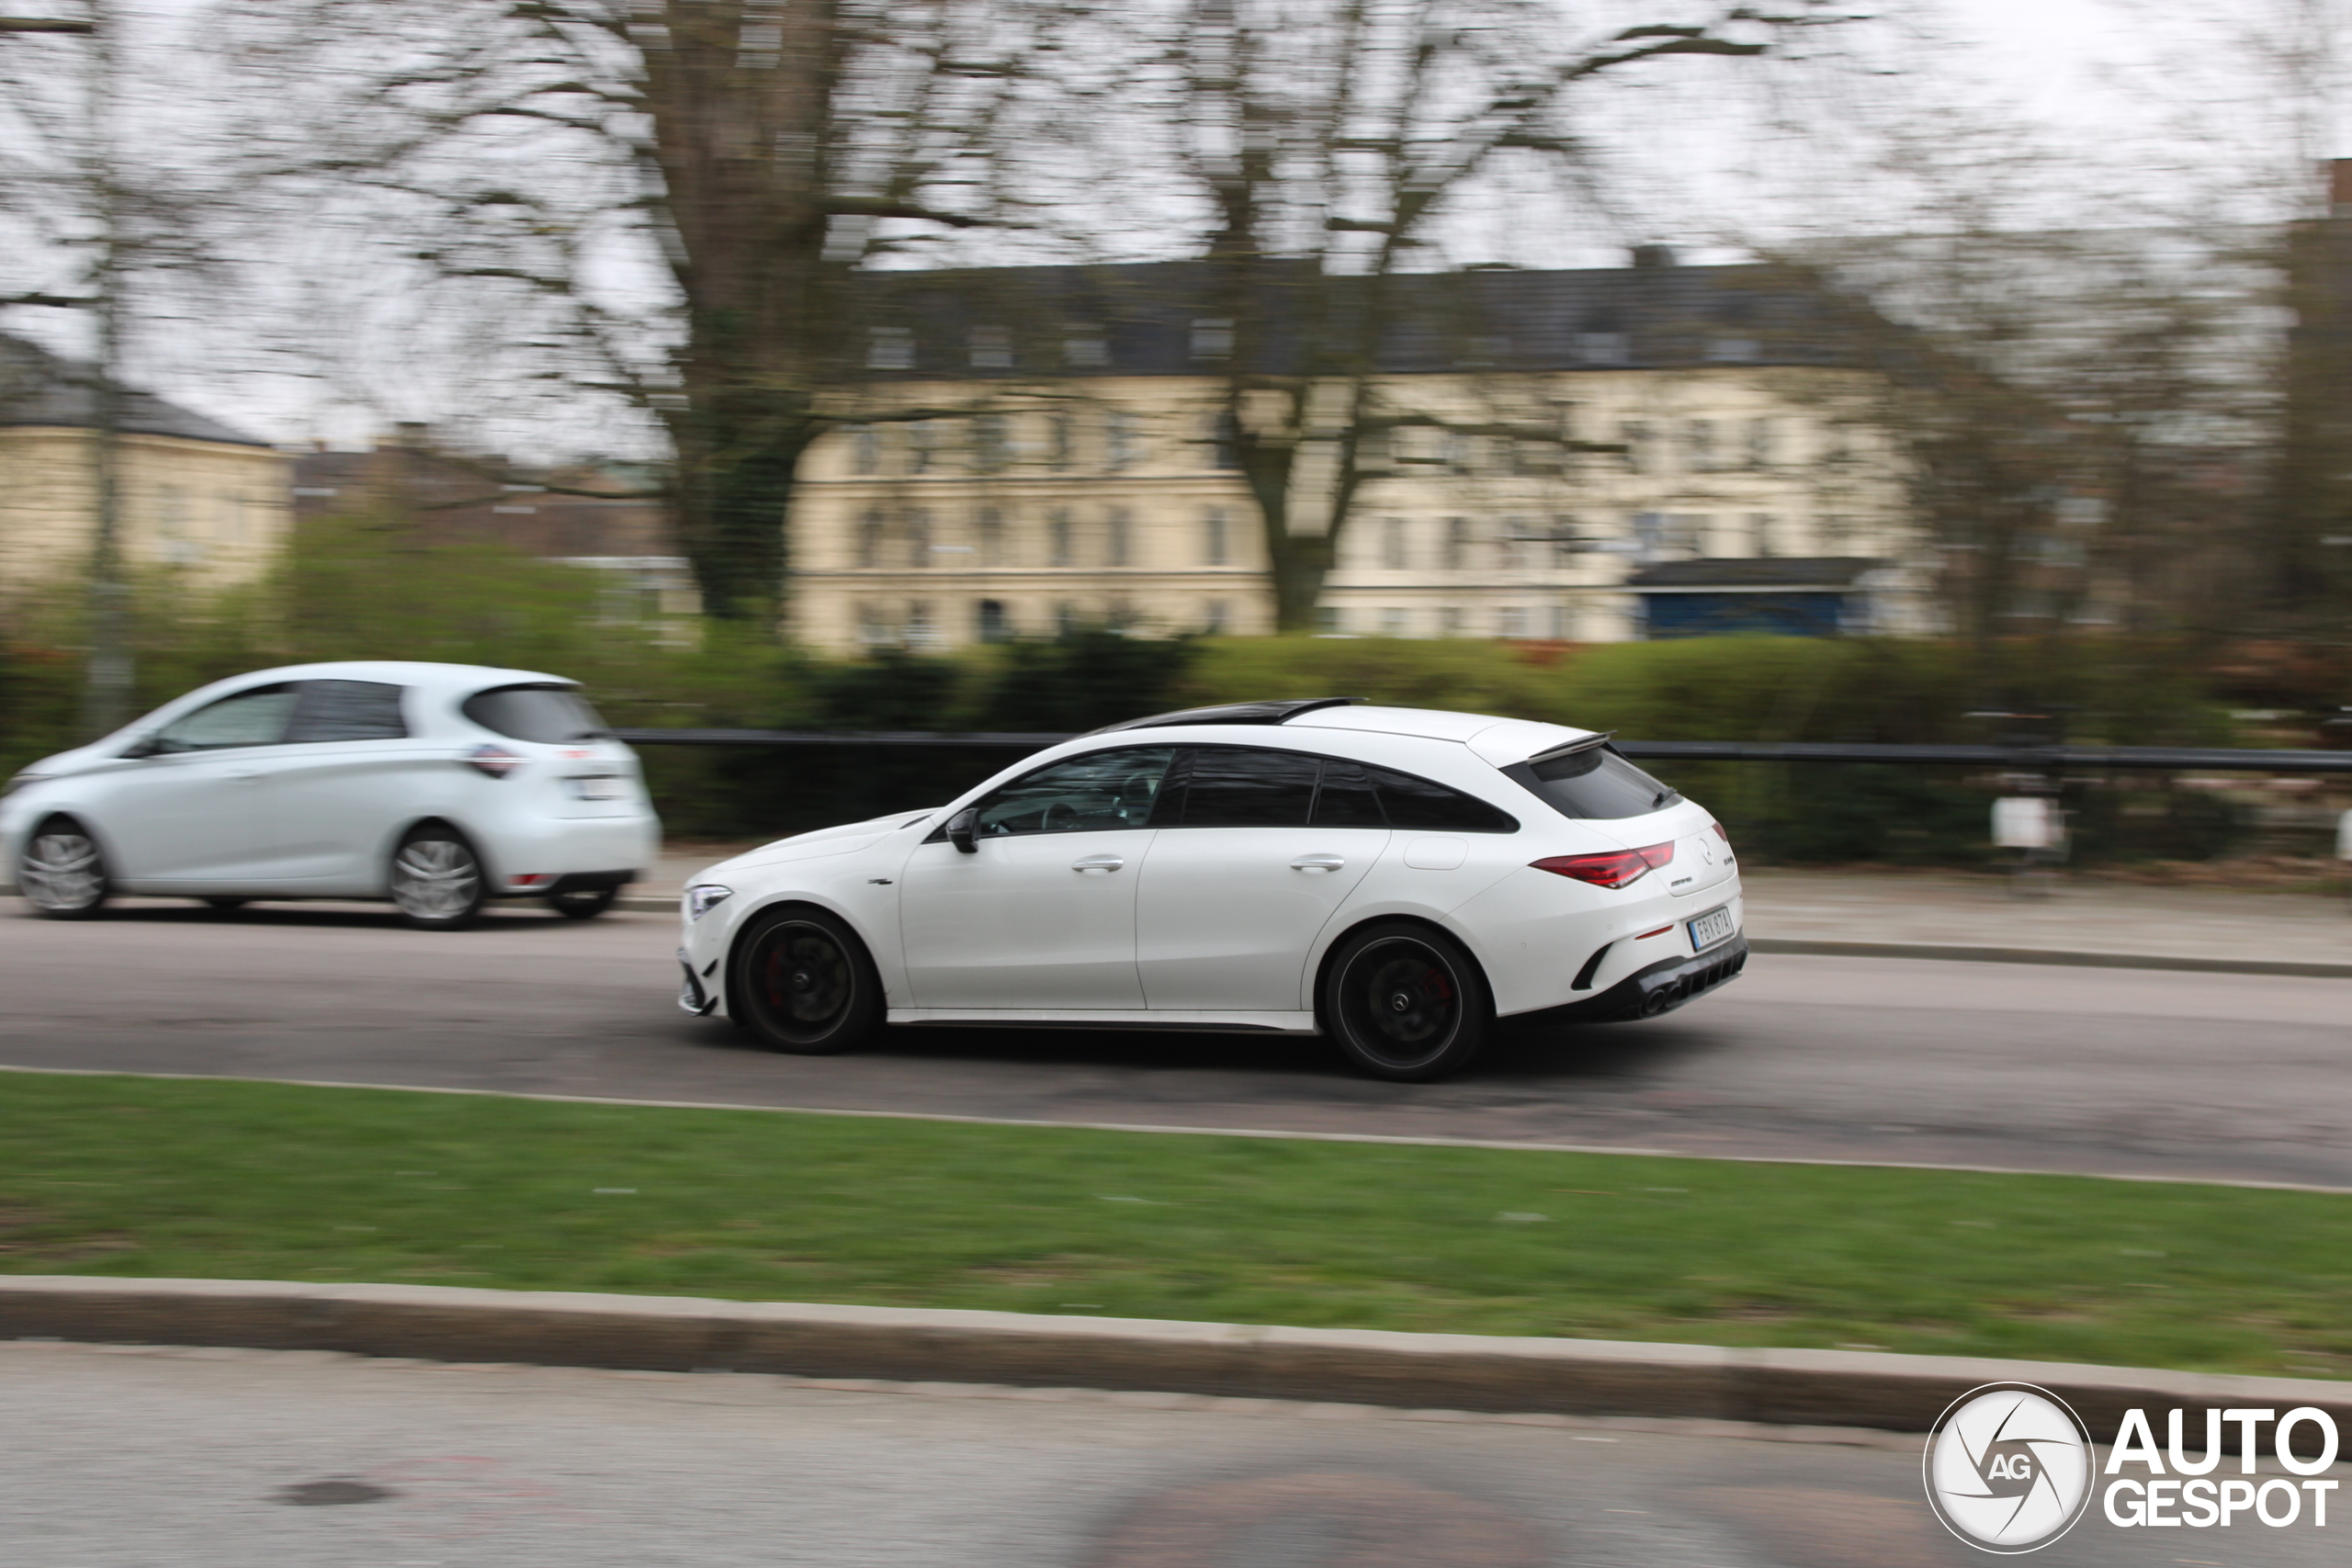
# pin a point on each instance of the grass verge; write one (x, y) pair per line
(126, 1175)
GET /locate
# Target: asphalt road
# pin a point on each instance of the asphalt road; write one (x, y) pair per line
(112, 1457)
(2129, 1072)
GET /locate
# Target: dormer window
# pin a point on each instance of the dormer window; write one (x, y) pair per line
(991, 348)
(1213, 337)
(890, 348)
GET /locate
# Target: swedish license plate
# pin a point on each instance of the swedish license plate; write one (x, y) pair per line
(597, 786)
(1715, 926)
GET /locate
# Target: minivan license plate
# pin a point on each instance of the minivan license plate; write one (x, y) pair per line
(1710, 928)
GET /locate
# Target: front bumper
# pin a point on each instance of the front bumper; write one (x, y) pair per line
(1659, 988)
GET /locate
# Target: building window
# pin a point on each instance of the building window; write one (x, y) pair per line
(991, 348)
(870, 529)
(989, 622)
(1120, 446)
(921, 632)
(1213, 337)
(1759, 533)
(865, 449)
(1732, 350)
(1450, 620)
(1392, 543)
(1395, 622)
(1117, 537)
(991, 447)
(1330, 620)
(1763, 443)
(917, 539)
(922, 445)
(1214, 617)
(1215, 549)
(890, 348)
(1457, 452)
(874, 627)
(1510, 621)
(1225, 444)
(1634, 435)
(1457, 544)
(1699, 438)
(1563, 623)
(987, 535)
(1565, 537)
(1085, 348)
(1064, 618)
(1059, 543)
(1507, 543)
(1602, 348)
(1058, 451)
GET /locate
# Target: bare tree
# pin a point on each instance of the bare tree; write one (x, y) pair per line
(666, 203)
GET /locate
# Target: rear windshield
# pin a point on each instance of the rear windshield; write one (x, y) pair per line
(1595, 784)
(550, 714)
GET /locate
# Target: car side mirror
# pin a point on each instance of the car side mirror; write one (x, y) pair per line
(145, 746)
(959, 830)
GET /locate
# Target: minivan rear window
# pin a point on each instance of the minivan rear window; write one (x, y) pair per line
(548, 715)
(1594, 785)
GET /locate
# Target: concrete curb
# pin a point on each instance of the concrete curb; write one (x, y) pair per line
(1968, 953)
(1454, 1372)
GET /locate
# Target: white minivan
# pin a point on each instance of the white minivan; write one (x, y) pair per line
(439, 786)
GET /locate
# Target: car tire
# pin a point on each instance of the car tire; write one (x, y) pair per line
(1405, 1002)
(803, 983)
(582, 903)
(62, 874)
(437, 883)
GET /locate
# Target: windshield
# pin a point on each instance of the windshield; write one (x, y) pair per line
(1594, 785)
(549, 715)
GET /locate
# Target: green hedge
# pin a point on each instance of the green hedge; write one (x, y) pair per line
(365, 586)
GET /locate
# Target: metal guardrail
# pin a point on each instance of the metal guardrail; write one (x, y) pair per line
(2010, 759)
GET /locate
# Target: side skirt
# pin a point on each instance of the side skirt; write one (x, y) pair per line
(1108, 1018)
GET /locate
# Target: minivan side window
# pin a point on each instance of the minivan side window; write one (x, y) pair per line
(255, 717)
(551, 716)
(347, 710)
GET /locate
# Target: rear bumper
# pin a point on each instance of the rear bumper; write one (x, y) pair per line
(1648, 992)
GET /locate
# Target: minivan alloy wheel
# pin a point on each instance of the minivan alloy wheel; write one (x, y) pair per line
(63, 874)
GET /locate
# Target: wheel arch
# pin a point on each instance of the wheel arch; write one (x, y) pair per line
(796, 899)
(1337, 938)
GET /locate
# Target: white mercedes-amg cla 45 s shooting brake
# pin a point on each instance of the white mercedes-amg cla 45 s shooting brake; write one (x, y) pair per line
(437, 786)
(1394, 878)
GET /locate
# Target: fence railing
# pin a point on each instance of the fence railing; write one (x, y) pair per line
(2006, 759)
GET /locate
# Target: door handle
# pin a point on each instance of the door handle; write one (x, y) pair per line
(1318, 862)
(1105, 863)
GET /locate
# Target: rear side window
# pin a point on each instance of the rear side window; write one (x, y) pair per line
(347, 710)
(1241, 787)
(549, 715)
(1238, 786)
(1595, 784)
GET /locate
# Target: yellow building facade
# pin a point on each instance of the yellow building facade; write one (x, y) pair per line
(196, 499)
(1093, 496)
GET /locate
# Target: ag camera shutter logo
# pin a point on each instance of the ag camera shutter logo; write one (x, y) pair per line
(2008, 1468)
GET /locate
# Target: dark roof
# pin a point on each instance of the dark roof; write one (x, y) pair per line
(1753, 572)
(39, 388)
(1275, 711)
(1485, 318)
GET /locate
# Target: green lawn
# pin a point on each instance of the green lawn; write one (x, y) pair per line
(126, 1175)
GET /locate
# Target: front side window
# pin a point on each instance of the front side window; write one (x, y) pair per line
(347, 710)
(1594, 785)
(551, 716)
(1095, 793)
(255, 717)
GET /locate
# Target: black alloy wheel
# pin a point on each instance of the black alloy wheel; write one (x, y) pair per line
(582, 903)
(63, 874)
(1405, 1003)
(803, 983)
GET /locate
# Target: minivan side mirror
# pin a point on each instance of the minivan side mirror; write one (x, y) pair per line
(959, 830)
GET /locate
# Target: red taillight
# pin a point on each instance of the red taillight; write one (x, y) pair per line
(1615, 869)
(495, 761)
(1719, 831)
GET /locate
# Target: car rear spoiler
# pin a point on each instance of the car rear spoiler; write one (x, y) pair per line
(1581, 743)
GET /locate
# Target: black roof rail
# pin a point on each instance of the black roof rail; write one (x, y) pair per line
(1271, 712)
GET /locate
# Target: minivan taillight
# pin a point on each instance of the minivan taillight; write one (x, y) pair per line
(495, 761)
(1615, 869)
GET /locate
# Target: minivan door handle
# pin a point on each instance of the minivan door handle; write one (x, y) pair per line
(1318, 862)
(1104, 863)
